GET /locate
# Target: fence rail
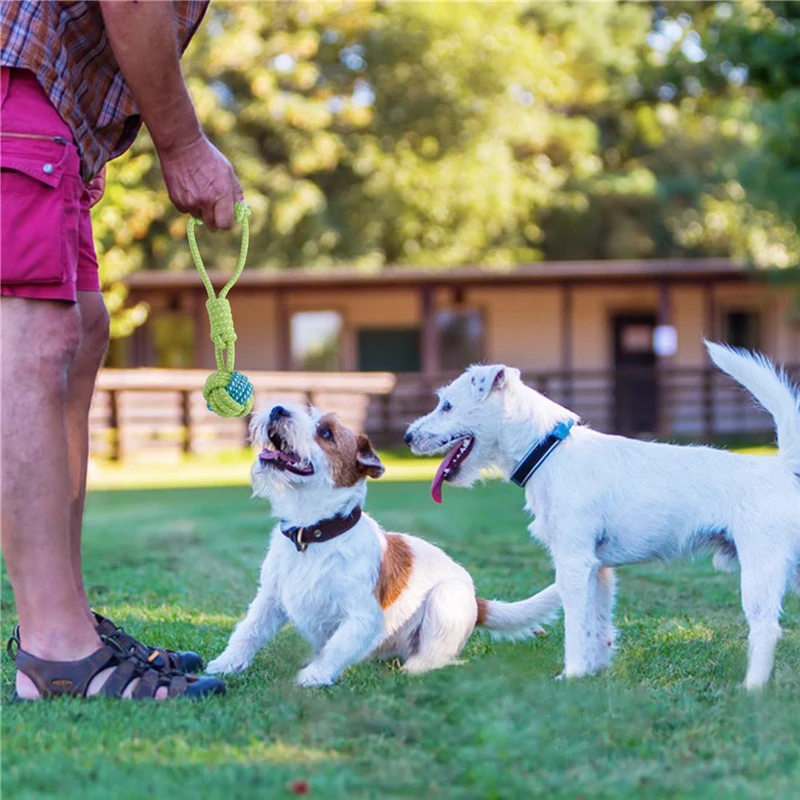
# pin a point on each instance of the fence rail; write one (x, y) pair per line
(139, 411)
(152, 412)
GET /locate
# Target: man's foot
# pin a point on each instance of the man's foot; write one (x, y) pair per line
(109, 671)
(158, 658)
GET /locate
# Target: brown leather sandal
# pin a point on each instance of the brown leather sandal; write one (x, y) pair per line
(158, 658)
(72, 678)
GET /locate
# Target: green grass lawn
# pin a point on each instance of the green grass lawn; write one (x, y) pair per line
(178, 567)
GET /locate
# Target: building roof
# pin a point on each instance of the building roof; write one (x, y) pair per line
(545, 272)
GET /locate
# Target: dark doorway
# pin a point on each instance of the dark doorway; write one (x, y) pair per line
(635, 379)
(389, 349)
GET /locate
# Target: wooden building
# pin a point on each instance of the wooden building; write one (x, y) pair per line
(583, 332)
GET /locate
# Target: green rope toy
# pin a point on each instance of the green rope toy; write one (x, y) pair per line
(228, 393)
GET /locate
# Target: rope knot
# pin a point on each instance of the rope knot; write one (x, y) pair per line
(229, 394)
(221, 319)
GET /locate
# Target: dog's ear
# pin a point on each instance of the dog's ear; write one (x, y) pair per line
(485, 380)
(367, 459)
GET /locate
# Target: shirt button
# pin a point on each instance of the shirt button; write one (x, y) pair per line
(48, 169)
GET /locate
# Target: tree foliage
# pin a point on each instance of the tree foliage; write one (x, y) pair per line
(374, 133)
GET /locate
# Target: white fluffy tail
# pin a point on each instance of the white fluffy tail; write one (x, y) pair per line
(772, 388)
(519, 620)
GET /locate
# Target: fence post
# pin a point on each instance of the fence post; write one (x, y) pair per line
(186, 421)
(386, 419)
(113, 419)
(708, 404)
(544, 385)
(663, 376)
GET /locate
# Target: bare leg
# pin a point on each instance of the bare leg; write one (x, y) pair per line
(40, 342)
(80, 387)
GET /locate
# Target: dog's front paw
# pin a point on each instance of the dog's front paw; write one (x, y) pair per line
(315, 675)
(226, 663)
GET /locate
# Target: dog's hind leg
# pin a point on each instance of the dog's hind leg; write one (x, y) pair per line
(604, 633)
(764, 581)
(447, 622)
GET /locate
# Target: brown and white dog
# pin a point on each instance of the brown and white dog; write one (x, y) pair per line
(349, 588)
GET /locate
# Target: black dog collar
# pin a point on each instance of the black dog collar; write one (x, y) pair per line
(322, 531)
(536, 456)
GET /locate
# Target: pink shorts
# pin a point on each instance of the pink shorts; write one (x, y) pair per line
(46, 246)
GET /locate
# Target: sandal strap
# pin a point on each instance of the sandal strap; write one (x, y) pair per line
(14, 644)
(178, 684)
(118, 680)
(148, 685)
(53, 678)
(158, 659)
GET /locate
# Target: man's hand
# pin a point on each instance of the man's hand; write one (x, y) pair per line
(96, 188)
(201, 182)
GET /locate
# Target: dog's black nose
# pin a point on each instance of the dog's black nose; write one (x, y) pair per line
(277, 413)
(407, 438)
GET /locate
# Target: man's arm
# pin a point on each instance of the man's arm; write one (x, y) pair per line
(199, 179)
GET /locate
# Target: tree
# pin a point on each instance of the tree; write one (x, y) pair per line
(373, 133)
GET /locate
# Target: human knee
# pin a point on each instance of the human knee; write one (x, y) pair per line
(95, 327)
(40, 343)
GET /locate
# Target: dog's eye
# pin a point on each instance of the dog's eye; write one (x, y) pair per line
(326, 433)
(447, 406)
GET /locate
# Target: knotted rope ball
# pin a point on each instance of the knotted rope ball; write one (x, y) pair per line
(226, 392)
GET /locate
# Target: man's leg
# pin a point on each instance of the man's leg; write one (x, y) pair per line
(41, 344)
(80, 387)
(40, 341)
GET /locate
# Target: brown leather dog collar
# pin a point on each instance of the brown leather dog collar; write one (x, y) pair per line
(322, 531)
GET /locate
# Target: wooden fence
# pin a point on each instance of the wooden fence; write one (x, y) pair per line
(155, 412)
(148, 411)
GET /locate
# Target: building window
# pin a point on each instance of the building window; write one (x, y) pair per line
(460, 338)
(316, 340)
(743, 329)
(390, 350)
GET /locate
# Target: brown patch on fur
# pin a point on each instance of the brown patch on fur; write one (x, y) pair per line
(396, 566)
(483, 611)
(350, 456)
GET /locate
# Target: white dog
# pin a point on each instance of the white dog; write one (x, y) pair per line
(349, 588)
(602, 501)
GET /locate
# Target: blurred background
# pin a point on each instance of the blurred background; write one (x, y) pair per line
(582, 190)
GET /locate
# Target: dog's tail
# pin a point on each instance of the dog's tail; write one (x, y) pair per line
(772, 388)
(519, 620)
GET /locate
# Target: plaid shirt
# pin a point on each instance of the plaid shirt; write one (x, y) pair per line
(66, 47)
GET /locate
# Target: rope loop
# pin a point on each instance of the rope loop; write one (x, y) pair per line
(227, 392)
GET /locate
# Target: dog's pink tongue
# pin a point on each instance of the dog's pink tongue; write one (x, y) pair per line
(438, 480)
